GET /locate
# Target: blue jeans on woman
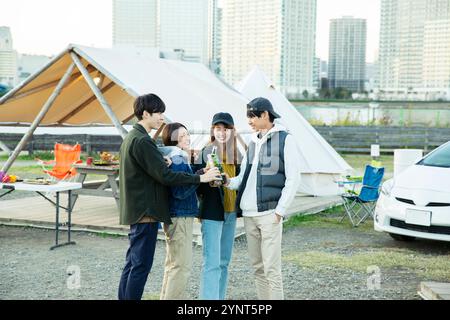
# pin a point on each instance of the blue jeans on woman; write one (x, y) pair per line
(218, 240)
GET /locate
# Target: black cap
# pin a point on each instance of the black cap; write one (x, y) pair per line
(262, 104)
(223, 117)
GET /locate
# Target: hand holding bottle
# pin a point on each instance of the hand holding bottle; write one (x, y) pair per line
(213, 162)
(226, 179)
(210, 175)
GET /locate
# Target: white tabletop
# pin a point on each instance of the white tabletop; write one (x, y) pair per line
(57, 187)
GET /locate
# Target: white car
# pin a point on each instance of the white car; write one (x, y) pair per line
(416, 203)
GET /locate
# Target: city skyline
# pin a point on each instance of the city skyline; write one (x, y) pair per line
(31, 28)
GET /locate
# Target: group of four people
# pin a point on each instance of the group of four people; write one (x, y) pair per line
(258, 186)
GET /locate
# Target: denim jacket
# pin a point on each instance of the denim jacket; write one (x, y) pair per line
(183, 200)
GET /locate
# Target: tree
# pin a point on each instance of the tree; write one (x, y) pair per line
(325, 93)
(342, 93)
(3, 89)
(305, 94)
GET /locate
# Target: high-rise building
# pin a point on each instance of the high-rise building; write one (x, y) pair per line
(323, 69)
(8, 58)
(135, 23)
(436, 56)
(316, 73)
(184, 25)
(276, 35)
(29, 64)
(371, 82)
(215, 36)
(167, 24)
(436, 50)
(347, 53)
(413, 58)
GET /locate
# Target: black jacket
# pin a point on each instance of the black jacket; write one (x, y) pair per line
(211, 199)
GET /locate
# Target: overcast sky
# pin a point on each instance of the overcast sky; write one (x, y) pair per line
(48, 26)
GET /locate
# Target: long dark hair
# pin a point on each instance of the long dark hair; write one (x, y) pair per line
(230, 148)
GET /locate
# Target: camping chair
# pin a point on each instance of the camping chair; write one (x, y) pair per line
(361, 205)
(65, 157)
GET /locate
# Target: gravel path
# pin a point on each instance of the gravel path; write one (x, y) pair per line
(29, 270)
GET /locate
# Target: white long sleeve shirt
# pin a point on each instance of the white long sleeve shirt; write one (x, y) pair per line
(249, 202)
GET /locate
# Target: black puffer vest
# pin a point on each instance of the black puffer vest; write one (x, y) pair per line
(271, 176)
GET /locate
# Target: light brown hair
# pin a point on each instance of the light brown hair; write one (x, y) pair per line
(229, 148)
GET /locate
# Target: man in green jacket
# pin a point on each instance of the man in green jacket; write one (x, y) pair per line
(144, 202)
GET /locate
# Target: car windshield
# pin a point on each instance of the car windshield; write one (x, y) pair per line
(439, 158)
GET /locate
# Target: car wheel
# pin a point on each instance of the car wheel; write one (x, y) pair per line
(400, 237)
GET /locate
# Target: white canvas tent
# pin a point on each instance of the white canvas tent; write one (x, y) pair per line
(321, 164)
(90, 86)
(183, 86)
(86, 86)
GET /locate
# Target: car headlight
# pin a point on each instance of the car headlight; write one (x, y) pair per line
(387, 187)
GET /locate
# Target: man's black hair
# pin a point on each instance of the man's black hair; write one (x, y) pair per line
(150, 103)
(252, 114)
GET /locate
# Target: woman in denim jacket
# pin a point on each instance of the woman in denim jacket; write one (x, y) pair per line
(183, 207)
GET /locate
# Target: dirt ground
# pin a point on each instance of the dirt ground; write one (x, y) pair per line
(322, 259)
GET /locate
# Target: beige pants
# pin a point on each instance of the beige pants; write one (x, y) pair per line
(264, 249)
(178, 262)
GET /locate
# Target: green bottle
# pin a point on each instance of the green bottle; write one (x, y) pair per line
(213, 161)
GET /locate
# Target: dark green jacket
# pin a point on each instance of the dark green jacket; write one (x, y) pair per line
(144, 176)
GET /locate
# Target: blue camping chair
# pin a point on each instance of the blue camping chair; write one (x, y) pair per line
(360, 206)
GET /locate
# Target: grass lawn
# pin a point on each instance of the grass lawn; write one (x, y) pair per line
(402, 256)
(359, 162)
(427, 266)
(44, 155)
(325, 219)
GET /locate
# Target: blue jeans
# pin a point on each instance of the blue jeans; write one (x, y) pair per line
(139, 260)
(218, 240)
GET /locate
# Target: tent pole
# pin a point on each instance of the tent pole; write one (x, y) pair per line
(46, 86)
(128, 118)
(157, 133)
(99, 95)
(38, 118)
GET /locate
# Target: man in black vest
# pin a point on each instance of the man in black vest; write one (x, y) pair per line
(267, 184)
